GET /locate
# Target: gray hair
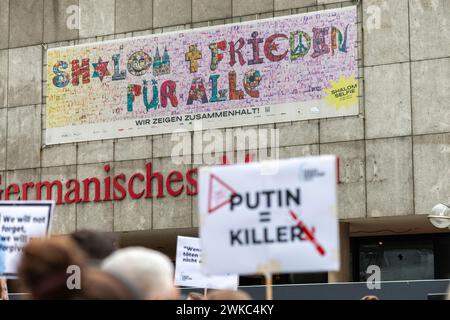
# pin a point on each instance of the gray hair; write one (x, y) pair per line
(149, 270)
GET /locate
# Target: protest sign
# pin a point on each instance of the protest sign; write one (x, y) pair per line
(21, 222)
(188, 271)
(270, 217)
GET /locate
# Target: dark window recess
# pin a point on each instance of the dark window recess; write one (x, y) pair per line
(411, 257)
(442, 256)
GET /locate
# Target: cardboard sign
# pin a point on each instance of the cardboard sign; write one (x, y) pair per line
(270, 217)
(188, 270)
(21, 222)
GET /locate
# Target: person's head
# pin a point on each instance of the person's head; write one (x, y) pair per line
(370, 297)
(101, 285)
(228, 295)
(96, 245)
(44, 265)
(149, 270)
(195, 296)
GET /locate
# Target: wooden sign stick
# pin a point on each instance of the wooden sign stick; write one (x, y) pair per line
(269, 288)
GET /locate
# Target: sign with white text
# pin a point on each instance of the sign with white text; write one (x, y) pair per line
(21, 222)
(188, 271)
(270, 217)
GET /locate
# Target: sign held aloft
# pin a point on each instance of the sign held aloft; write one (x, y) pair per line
(270, 217)
(188, 270)
(21, 222)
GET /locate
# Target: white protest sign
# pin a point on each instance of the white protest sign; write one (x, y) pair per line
(270, 217)
(188, 271)
(20, 222)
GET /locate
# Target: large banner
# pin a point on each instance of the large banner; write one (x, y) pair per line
(274, 70)
(20, 223)
(281, 218)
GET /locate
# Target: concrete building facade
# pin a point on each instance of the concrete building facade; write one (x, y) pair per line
(394, 156)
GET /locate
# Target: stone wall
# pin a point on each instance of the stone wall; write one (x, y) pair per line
(395, 156)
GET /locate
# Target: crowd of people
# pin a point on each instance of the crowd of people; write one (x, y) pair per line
(88, 265)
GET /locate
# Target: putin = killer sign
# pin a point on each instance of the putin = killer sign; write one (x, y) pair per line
(270, 217)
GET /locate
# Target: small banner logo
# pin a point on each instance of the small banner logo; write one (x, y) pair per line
(343, 93)
(219, 193)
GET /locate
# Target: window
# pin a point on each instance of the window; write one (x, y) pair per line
(412, 257)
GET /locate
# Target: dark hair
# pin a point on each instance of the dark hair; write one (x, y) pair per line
(43, 271)
(101, 285)
(43, 267)
(96, 245)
